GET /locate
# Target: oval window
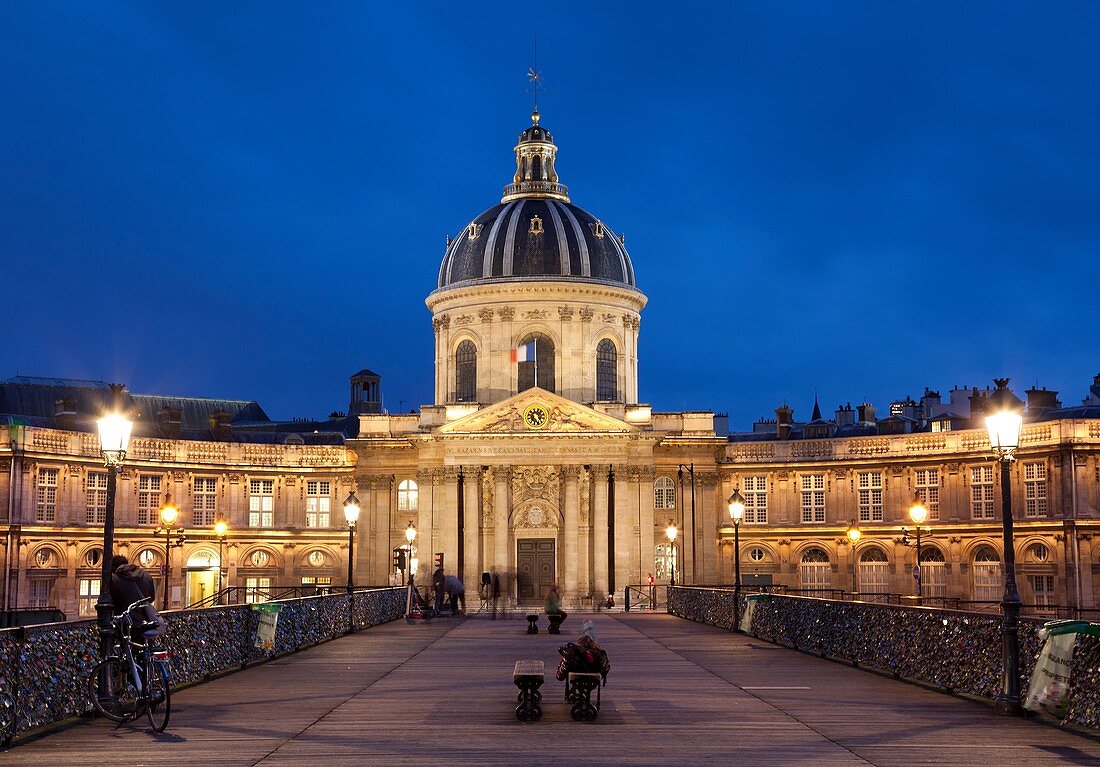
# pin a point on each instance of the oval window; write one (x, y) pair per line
(757, 554)
(147, 557)
(44, 558)
(260, 558)
(317, 558)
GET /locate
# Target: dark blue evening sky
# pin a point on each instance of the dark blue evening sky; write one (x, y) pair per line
(250, 200)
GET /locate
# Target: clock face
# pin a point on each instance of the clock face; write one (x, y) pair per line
(536, 417)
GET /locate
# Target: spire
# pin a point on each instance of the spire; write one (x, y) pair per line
(535, 155)
(816, 415)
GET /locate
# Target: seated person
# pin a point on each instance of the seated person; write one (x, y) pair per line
(585, 656)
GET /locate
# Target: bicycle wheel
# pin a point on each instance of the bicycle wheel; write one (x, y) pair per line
(112, 691)
(159, 703)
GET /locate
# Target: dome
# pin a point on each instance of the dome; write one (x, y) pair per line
(535, 233)
(536, 238)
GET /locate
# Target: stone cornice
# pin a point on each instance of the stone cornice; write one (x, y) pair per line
(578, 291)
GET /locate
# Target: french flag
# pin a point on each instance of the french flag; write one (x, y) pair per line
(524, 353)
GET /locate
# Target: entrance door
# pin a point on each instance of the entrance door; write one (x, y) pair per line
(536, 570)
(201, 584)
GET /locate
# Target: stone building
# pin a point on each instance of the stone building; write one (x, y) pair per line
(537, 461)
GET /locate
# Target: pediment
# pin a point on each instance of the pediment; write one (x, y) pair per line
(562, 417)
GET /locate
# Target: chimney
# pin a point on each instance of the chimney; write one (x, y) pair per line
(977, 408)
(845, 415)
(784, 421)
(929, 403)
(169, 420)
(65, 413)
(1039, 401)
(866, 413)
(220, 425)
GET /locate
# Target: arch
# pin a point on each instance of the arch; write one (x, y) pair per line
(664, 493)
(408, 496)
(804, 548)
(536, 514)
(873, 554)
(466, 372)
(202, 558)
(933, 570)
(874, 571)
(147, 556)
(769, 554)
(607, 371)
(311, 561)
(539, 371)
(930, 553)
(54, 553)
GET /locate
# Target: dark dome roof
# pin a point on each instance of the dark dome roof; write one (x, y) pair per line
(536, 238)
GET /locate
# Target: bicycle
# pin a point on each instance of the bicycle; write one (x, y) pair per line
(133, 680)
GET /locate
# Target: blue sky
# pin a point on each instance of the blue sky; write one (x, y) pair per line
(250, 199)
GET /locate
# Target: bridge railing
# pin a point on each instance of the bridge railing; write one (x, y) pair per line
(954, 650)
(44, 668)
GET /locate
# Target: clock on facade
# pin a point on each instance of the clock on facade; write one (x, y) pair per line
(536, 417)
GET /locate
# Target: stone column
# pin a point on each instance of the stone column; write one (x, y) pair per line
(646, 522)
(599, 529)
(502, 509)
(707, 513)
(446, 518)
(626, 527)
(426, 538)
(572, 530)
(471, 485)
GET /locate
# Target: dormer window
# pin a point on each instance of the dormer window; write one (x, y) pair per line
(473, 231)
(536, 225)
(597, 229)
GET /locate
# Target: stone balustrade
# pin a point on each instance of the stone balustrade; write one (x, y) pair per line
(44, 669)
(951, 650)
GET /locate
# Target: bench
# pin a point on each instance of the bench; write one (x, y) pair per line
(528, 676)
(555, 623)
(532, 623)
(578, 691)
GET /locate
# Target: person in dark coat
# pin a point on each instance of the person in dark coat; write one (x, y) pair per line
(437, 586)
(129, 583)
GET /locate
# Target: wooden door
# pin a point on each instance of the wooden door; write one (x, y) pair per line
(536, 569)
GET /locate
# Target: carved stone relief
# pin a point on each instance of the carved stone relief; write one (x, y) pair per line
(534, 482)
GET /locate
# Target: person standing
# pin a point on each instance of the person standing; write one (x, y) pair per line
(495, 588)
(130, 583)
(437, 586)
(456, 592)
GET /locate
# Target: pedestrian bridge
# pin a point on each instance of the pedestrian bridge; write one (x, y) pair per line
(679, 693)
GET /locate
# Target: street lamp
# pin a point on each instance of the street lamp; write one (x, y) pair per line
(169, 513)
(671, 533)
(351, 516)
(854, 534)
(1004, 425)
(114, 437)
(736, 503)
(918, 512)
(410, 536)
(221, 529)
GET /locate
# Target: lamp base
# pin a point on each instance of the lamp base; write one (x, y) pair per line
(1007, 705)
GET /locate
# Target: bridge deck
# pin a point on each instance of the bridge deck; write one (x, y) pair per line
(679, 693)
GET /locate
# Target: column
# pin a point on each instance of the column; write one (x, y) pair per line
(425, 538)
(572, 530)
(646, 522)
(471, 486)
(599, 529)
(502, 508)
(380, 548)
(708, 507)
(446, 518)
(626, 526)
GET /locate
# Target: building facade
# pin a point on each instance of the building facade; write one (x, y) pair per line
(537, 462)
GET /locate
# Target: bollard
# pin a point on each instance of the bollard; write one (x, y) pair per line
(626, 599)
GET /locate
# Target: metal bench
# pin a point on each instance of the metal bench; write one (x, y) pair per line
(578, 691)
(528, 676)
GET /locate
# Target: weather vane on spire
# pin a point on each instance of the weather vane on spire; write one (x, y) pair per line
(535, 76)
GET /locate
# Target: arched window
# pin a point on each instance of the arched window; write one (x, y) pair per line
(933, 572)
(540, 370)
(466, 372)
(987, 575)
(607, 378)
(664, 493)
(408, 496)
(815, 570)
(874, 572)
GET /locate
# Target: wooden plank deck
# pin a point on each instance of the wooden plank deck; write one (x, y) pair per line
(679, 693)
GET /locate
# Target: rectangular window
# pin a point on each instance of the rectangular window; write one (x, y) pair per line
(204, 500)
(870, 496)
(938, 426)
(1043, 588)
(988, 584)
(1035, 489)
(316, 580)
(928, 490)
(47, 495)
(813, 497)
(40, 590)
(318, 503)
(96, 508)
(261, 503)
(814, 576)
(981, 492)
(88, 595)
(756, 500)
(149, 498)
(257, 590)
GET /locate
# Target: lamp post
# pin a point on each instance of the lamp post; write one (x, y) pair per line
(1004, 425)
(671, 533)
(736, 503)
(918, 512)
(410, 536)
(854, 534)
(221, 529)
(169, 513)
(114, 437)
(351, 516)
